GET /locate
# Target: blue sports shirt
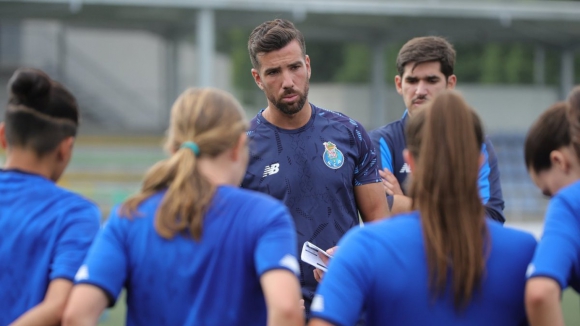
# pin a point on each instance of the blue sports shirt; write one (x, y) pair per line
(313, 170)
(390, 142)
(383, 268)
(180, 281)
(45, 233)
(558, 254)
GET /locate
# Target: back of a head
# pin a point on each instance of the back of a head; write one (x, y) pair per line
(271, 36)
(574, 115)
(426, 49)
(40, 112)
(205, 122)
(445, 141)
(550, 132)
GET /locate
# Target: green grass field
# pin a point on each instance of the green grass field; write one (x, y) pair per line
(570, 306)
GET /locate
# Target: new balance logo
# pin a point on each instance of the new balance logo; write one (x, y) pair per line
(271, 169)
(405, 169)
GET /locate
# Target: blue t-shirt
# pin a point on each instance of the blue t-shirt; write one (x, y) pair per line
(313, 170)
(383, 267)
(390, 142)
(180, 281)
(558, 254)
(45, 233)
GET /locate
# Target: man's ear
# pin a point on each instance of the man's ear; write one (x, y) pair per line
(409, 159)
(451, 82)
(307, 60)
(399, 84)
(257, 78)
(3, 141)
(559, 160)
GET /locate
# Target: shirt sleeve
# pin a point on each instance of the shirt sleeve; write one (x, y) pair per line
(557, 254)
(341, 294)
(106, 263)
(276, 243)
(489, 184)
(366, 169)
(80, 225)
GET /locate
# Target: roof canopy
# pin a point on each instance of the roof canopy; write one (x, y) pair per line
(551, 23)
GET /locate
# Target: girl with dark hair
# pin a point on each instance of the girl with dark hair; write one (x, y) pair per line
(551, 154)
(45, 230)
(192, 248)
(444, 263)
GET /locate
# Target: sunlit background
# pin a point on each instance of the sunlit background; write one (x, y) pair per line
(127, 60)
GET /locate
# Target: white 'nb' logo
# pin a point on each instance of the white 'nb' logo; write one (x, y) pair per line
(271, 169)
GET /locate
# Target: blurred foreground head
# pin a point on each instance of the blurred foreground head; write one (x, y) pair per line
(207, 128)
(40, 112)
(42, 117)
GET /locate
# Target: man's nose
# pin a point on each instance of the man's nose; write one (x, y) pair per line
(421, 88)
(287, 81)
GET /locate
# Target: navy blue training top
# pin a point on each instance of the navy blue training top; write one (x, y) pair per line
(313, 170)
(390, 142)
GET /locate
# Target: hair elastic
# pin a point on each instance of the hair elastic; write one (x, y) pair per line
(192, 146)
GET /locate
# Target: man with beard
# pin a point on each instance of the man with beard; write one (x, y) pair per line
(320, 163)
(425, 68)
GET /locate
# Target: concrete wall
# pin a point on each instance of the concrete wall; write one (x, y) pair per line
(503, 108)
(119, 75)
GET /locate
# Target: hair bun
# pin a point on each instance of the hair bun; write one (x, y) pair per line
(29, 86)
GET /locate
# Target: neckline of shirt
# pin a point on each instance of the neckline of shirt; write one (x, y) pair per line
(289, 131)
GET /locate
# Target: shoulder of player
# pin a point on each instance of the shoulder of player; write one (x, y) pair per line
(510, 239)
(335, 116)
(390, 132)
(73, 201)
(395, 225)
(568, 196)
(252, 200)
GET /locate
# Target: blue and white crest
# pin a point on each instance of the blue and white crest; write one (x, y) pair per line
(332, 156)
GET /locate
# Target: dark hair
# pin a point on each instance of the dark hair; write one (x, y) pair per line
(445, 140)
(574, 116)
(426, 49)
(41, 113)
(214, 120)
(271, 36)
(550, 132)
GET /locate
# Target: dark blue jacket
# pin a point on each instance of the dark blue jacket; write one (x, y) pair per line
(389, 141)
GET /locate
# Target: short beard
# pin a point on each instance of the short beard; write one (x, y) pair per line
(293, 108)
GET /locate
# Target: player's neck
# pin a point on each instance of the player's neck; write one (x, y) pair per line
(285, 121)
(27, 161)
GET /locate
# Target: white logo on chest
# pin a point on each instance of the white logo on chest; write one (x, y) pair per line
(271, 169)
(405, 169)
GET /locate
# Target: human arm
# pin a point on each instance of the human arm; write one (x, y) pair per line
(543, 302)
(371, 201)
(277, 266)
(555, 261)
(50, 310)
(489, 183)
(344, 290)
(87, 303)
(282, 294)
(78, 228)
(102, 275)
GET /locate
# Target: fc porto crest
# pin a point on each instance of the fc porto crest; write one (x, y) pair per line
(332, 157)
